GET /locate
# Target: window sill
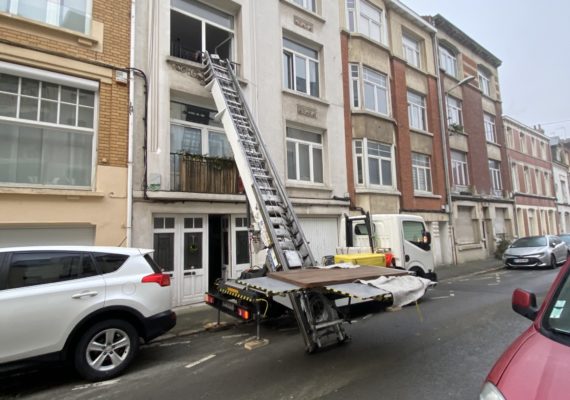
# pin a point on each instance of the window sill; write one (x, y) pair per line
(452, 132)
(307, 185)
(54, 31)
(50, 192)
(415, 68)
(369, 190)
(304, 10)
(494, 144)
(193, 68)
(360, 111)
(427, 195)
(356, 35)
(303, 96)
(421, 132)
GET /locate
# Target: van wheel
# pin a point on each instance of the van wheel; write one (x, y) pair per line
(106, 349)
(419, 272)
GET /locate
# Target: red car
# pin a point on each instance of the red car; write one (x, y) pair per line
(537, 364)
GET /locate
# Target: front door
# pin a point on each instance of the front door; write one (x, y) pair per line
(180, 243)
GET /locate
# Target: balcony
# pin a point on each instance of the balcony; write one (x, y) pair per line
(201, 174)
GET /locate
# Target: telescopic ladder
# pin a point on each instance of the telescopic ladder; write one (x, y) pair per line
(272, 212)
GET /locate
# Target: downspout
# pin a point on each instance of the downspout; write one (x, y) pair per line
(444, 137)
(131, 130)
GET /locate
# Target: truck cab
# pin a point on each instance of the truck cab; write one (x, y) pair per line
(404, 236)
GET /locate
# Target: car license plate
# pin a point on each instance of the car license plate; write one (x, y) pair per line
(520, 260)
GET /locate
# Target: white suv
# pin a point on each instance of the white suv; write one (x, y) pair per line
(89, 305)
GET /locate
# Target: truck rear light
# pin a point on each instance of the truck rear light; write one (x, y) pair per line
(161, 279)
(243, 313)
(208, 298)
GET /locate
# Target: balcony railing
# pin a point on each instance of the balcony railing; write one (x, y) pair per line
(201, 174)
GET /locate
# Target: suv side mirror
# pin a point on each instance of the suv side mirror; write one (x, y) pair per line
(524, 303)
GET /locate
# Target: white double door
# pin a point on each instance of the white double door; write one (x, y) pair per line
(181, 247)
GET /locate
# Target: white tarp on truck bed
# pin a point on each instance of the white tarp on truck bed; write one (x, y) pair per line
(404, 289)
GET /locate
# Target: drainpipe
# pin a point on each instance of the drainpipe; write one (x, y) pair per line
(131, 130)
(444, 137)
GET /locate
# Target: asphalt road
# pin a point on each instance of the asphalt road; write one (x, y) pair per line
(441, 349)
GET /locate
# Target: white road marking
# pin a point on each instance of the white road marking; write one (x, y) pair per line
(234, 336)
(94, 385)
(246, 340)
(439, 297)
(159, 344)
(200, 361)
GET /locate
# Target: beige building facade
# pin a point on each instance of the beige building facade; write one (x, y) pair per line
(63, 122)
(286, 56)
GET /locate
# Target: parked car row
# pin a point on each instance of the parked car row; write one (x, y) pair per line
(88, 305)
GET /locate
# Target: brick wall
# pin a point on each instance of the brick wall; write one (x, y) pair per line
(112, 123)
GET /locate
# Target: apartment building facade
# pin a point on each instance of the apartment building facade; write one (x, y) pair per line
(532, 181)
(63, 122)
(482, 209)
(286, 56)
(394, 144)
(560, 155)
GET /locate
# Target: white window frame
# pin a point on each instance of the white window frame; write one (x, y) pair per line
(411, 48)
(53, 14)
(522, 142)
(489, 124)
(515, 177)
(361, 152)
(454, 111)
(527, 184)
(447, 61)
(310, 5)
(417, 115)
(496, 183)
(290, 70)
(419, 168)
(362, 77)
(24, 72)
(312, 145)
(484, 82)
(459, 168)
(356, 15)
(547, 184)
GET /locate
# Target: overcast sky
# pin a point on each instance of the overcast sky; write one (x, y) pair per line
(532, 39)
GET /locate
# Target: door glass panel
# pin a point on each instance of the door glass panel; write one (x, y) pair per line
(193, 250)
(164, 250)
(242, 250)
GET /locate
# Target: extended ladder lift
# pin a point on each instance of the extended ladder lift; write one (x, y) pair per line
(272, 212)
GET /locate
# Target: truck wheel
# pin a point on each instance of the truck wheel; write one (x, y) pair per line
(106, 349)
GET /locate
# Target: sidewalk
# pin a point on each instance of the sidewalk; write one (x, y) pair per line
(198, 318)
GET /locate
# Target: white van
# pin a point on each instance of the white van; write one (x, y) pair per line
(405, 236)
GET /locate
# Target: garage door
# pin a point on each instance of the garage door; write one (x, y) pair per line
(47, 236)
(322, 234)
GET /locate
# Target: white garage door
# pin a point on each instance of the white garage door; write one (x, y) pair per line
(322, 234)
(47, 236)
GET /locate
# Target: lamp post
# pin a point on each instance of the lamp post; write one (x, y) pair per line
(445, 135)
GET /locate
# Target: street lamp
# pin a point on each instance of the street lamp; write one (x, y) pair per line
(462, 82)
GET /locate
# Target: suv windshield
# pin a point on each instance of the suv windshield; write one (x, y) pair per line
(557, 317)
(535, 241)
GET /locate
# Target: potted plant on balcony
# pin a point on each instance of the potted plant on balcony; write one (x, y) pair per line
(456, 128)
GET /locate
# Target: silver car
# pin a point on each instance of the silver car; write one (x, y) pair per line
(536, 251)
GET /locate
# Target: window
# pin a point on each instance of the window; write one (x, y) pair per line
(373, 162)
(466, 227)
(489, 123)
(196, 27)
(527, 180)
(304, 156)
(454, 112)
(484, 82)
(411, 48)
(547, 184)
(47, 130)
(308, 4)
(522, 142)
(69, 14)
(495, 171)
(374, 85)
(163, 236)
(414, 232)
(533, 147)
(193, 130)
(447, 61)
(241, 241)
(459, 168)
(421, 172)
(366, 19)
(300, 68)
(38, 268)
(515, 177)
(109, 262)
(417, 111)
